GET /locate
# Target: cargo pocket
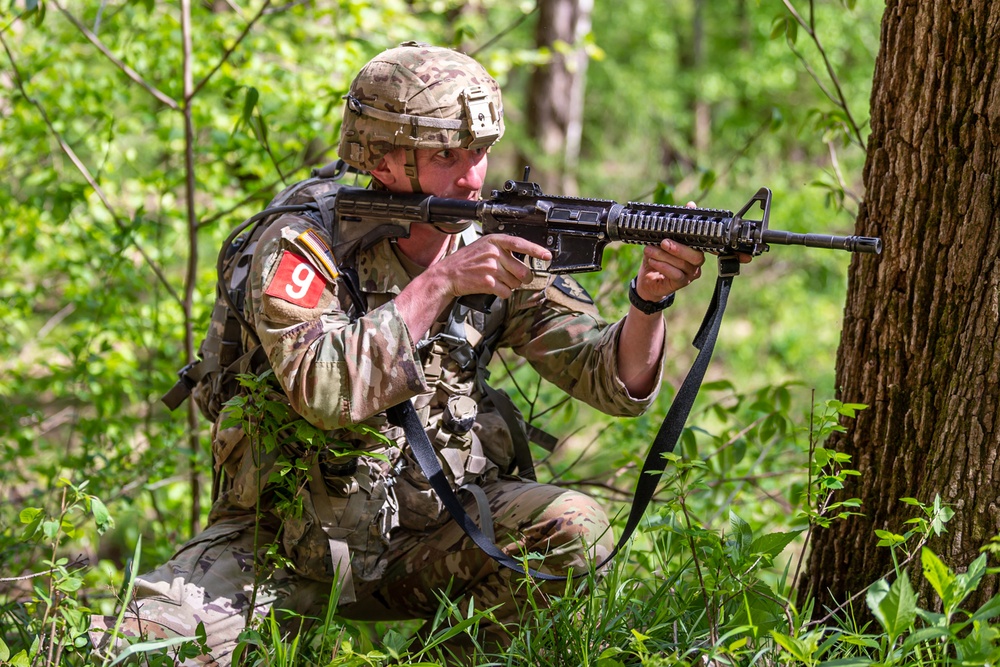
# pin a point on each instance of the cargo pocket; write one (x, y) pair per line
(494, 433)
(228, 447)
(340, 533)
(419, 505)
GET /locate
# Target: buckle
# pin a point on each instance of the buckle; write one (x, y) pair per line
(183, 374)
(330, 469)
(729, 266)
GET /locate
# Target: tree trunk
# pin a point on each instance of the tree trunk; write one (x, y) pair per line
(920, 343)
(555, 96)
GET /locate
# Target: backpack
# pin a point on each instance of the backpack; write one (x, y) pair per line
(230, 346)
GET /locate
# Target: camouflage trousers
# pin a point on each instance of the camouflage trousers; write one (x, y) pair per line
(216, 577)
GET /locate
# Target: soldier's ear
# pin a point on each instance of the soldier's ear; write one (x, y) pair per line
(385, 173)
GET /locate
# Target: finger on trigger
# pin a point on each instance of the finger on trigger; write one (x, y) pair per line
(518, 244)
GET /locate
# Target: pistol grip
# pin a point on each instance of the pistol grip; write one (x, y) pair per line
(479, 302)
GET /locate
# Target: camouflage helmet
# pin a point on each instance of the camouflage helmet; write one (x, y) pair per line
(419, 96)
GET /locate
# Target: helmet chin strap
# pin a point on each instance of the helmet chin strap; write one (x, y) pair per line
(410, 168)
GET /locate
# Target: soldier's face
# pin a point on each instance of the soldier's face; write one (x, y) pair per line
(457, 173)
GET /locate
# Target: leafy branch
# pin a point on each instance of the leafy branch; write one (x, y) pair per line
(789, 26)
(84, 171)
(129, 72)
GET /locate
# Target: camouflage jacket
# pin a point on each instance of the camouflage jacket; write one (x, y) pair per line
(340, 370)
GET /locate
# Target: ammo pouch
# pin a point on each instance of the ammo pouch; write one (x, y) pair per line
(344, 528)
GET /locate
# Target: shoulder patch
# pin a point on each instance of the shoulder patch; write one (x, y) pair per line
(572, 289)
(296, 281)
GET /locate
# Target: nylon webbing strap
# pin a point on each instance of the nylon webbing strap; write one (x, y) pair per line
(673, 424)
(405, 416)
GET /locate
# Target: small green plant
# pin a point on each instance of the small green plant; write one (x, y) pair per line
(53, 624)
(935, 517)
(911, 635)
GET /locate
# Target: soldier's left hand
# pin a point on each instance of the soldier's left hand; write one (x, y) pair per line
(667, 268)
(671, 266)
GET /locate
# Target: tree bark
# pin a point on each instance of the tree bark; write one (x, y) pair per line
(555, 94)
(921, 344)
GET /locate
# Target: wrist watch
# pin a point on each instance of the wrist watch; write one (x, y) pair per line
(648, 307)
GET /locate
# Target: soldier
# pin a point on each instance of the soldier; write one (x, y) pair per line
(348, 342)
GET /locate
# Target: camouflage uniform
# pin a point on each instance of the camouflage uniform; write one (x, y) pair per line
(370, 523)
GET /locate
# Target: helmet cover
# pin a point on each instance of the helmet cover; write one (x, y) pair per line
(419, 96)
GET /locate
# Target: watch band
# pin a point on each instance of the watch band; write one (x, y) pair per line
(648, 307)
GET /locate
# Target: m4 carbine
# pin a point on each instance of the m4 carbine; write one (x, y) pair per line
(575, 230)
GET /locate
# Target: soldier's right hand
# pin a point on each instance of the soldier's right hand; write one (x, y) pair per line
(489, 266)
(485, 266)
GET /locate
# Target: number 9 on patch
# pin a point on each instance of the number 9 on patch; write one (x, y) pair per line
(296, 281)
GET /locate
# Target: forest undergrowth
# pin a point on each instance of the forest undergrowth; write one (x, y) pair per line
(709, 580)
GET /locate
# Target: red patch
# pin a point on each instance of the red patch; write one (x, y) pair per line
(296, 281)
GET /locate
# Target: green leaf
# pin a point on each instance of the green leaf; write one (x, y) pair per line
(990, 609)
(937, 574)
(663, 194)
(895, 607)
(147, 647)
(797, 648)
(707, 180)
(822, 456)
(924, 635)
(32, 516)
(850, 409)
(792, 30)
(888, 539)
(101, 515)
(773, 544)
(50, 529)
(742, 534)
(4, 651)
(941, 514)
(250, 98)
(70, 585)
(718, 385)
(966, 582)
(779, 26)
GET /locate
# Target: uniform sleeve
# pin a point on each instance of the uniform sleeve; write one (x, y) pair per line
(335, 371)
(559, 331)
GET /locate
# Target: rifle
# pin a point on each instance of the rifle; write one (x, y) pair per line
(575, 230)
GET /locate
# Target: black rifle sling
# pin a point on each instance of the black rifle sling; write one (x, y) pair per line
(405, 416)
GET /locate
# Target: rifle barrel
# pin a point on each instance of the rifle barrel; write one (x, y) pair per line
(865, 244)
